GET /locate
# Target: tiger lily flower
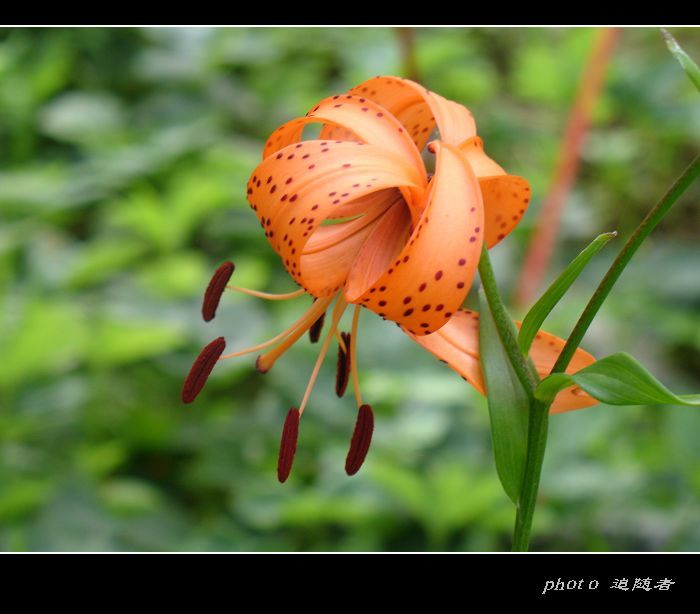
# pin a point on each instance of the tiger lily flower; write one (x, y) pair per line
(356, 218)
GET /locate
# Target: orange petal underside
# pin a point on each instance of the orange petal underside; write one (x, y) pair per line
(420, 110)
(506, 197)
(430, 276)
(457, 343)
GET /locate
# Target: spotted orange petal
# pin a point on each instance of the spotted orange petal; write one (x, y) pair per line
(420, 110)
(457, 343)
(361, 120)
(296, 189)
(506, 197)
(430, 276)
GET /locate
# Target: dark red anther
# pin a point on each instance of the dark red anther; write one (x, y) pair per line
(199, 373)
(288, 445)
(361, 438)
(342, 374)
(216, 287)
(316, 327)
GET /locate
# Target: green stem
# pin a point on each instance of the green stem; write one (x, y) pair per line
(628, 250)
(507, 331)
(539, 413)
(536, 445)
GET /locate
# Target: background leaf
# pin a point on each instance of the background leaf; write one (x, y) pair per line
(690, 67)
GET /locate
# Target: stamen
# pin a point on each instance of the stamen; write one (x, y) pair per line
(215, 289)
(304, 322)
(353, 354)
(341, 340)
(361, 438)
(342, 375)
(316, 328)
(201, 368)
(267, 295)
(288, 445)
(338, 310)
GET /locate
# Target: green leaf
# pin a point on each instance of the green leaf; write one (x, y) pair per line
(618, 379)
(690, 67)
(508, 405)
(542, 308)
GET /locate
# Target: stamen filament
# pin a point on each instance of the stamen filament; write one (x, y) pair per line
(303, 323)
(341, 341)
(338, 311)
(353, 354)
(267, 295)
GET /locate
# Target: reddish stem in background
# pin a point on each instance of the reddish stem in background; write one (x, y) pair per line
(541, 245)
(407, 42)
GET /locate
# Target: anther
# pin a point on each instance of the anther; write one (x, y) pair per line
(288, 445)
(316, 328)
(202, 367)
(216, 287)
(342, 375)
(361, 438)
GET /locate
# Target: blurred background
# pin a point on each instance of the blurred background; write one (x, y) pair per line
(124, 155)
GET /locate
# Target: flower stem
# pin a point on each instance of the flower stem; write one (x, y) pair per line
(523, 368)
(538, 427)
(539, 413)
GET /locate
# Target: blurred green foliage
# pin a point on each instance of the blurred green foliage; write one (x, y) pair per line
(123, 159)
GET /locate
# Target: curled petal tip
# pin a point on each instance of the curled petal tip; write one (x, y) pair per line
(288, 445)
(201, 369)
(216, 287)
(361, 438)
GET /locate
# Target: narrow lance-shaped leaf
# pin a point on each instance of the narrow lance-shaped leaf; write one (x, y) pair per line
(690, 67)
(618, 379)
(542, 308)
(508, 405)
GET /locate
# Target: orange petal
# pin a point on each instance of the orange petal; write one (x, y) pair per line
(544, 353)
(360, 119)
(457, 343)
(506, 197)
(431, 275)
(364, 204)
(381, 248)
(331, 250)
(297, 188)
(420, 110)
